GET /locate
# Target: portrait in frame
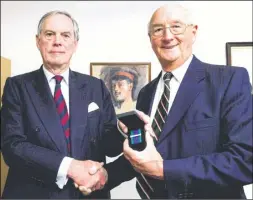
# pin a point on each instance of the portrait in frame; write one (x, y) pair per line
(240, 54)
(123, 80)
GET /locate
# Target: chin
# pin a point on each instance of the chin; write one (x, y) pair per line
(57, 62)
(171, 57)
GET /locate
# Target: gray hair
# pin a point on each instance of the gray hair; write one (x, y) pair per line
(171, 6)
(42, 20)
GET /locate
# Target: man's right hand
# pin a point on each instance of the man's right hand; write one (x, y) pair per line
(84, 172)
(100, 178)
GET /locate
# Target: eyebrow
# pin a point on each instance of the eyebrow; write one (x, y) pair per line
(65, 32)
(155, 25)
(173, 22)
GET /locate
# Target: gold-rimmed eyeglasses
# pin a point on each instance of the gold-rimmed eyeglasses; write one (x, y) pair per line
(159, 30)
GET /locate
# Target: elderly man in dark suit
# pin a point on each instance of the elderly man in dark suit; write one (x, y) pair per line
(57, 125)
(202, 116)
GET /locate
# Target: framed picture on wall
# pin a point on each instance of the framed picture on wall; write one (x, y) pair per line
(123, 80)
(240, 54)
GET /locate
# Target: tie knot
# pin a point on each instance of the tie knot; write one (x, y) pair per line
(58, 79)
(167, 76)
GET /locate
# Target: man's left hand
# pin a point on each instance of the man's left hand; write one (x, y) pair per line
(148, 161)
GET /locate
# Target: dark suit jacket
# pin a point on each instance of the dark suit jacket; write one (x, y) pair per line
(33, 143)
(206, 142)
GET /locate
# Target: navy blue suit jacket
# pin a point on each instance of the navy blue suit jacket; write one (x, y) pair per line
(33, 143)
(206, 142)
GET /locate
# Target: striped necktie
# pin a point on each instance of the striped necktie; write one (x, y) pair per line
(162, 109)
(143, 186)
(62, 109)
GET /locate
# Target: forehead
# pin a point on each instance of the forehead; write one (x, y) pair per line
(119, 80)
(168, 14)
(59, 23)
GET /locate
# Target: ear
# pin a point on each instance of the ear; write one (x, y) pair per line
(149, 37)
(38, 42)
(131, 86)
(76, 45)
(194, 32)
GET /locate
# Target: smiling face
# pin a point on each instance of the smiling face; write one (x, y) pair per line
(172, 50)
(56, 41)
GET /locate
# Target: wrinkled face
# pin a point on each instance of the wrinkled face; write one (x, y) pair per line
(122, 90)
(56, 41)
(172, 47)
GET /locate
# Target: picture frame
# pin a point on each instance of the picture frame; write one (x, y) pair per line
(240, 54)
(124, 81)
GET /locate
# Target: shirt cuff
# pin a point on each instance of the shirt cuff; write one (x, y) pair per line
(62, 178)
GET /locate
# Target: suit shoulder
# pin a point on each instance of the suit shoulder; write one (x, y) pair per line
(224, 72)
(24, 76)
(223, 76)
(224, 69)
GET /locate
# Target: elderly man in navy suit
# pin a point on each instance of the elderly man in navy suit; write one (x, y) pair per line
(202, 116)
(57, 125)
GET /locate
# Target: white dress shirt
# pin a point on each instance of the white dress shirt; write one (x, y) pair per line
(61, 178)
(178, 75)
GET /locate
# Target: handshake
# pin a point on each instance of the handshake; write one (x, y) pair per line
(88, 175)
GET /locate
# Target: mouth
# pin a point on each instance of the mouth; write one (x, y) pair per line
(117, 94)
(57, 52)
(169, 47)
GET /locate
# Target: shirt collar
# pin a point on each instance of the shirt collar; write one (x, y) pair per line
(179, 72)
(49, 75)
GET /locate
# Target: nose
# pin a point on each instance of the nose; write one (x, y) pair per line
(167, 35)
(58, 40)
(116, 88)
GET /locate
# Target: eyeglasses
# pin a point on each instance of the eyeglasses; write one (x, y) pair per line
(158, 30)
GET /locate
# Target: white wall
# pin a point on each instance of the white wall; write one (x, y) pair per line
(117, 32)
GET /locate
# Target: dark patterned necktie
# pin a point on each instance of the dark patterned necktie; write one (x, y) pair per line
(62, 109)
(162, 109)
(143, 186)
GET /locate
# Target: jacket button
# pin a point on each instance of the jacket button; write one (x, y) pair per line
(37, 129)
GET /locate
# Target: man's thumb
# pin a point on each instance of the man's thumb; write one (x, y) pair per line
(149, 138)
(93, 170)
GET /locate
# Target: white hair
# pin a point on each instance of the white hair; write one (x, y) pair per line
(42, 20)
(189, 18)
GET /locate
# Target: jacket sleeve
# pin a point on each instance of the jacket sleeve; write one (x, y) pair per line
(119, 171)
(112, 140)
(17, 151)
(233, 164)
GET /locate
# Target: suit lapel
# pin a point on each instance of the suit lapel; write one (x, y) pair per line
(44, 104)
(145, 104)
(189, 89)
(78, 111)
(152, 96)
